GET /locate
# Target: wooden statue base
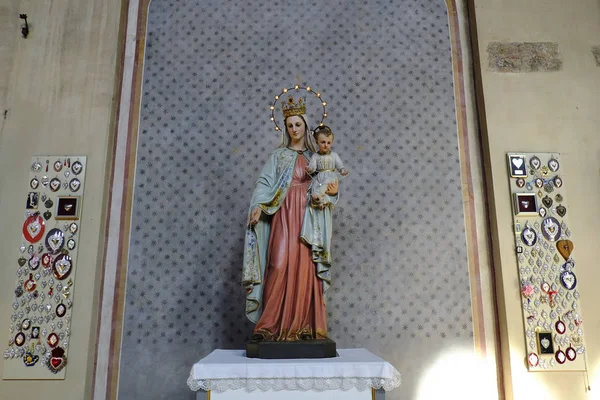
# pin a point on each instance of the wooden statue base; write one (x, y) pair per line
(321, 348)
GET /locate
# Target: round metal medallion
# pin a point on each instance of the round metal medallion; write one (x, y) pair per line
(74, 185)
(30, 284)
(52, 340)
(33, 228)
(55, 184)
(533, 359)
(55, 240)
(36, 167)
(20, 339)
(568, 280)
(34, 183)
(46, 260)
(62, 266)
(545, 287)
(26, 324)
(558, 182)
(76, 167)
(551, 229)
(560, 357)
(34, 262)
(529, 236)
(560, 327)
(534, 162)
(568, 266)
(553, 165)
(61, 310)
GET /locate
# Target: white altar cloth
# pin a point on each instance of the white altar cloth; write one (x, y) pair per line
(359, 369)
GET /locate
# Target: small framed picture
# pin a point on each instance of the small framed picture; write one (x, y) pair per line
(544, 341)
(526, 204)
(516, 163)
(67, 208)
(32, 201)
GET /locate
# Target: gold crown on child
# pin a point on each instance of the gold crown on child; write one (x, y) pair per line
(294, 108)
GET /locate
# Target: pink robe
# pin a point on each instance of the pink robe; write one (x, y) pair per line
(293, 305)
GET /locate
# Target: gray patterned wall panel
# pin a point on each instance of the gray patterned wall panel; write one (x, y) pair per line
(400, 278)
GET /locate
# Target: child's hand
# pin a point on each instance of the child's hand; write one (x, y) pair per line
(332, 188)
(309, 170)
(344, 172)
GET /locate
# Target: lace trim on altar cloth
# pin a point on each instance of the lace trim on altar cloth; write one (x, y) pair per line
(300, 384)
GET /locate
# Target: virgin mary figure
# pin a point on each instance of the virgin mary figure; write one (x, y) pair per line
(284, 282)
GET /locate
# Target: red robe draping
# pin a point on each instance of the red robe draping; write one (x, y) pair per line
(293, 304)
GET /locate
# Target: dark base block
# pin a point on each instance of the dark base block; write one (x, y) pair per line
(322, 348)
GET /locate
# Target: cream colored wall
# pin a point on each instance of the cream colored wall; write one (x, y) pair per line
(545, 112)
(58, 87)
(9, 28)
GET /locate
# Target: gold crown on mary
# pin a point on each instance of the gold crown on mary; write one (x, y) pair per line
(293, 108)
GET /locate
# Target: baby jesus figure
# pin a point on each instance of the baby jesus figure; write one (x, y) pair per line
(326, 164)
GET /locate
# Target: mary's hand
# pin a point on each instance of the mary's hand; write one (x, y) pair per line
(254, 216)
(332, 188)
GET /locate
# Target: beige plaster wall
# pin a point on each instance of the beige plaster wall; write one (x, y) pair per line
(58, 88)
(9, 29)
(544, 112)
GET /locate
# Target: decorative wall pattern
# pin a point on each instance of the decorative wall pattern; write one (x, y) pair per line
(39, 330)
(552, 315)
(400, 277)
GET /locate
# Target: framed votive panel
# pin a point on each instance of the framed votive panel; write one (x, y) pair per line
(44, 261)
(544, 248)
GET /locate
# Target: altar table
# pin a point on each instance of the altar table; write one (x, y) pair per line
(355, 374)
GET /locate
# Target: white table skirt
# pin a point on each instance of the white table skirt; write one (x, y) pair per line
(358, 369)
(242, 394)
